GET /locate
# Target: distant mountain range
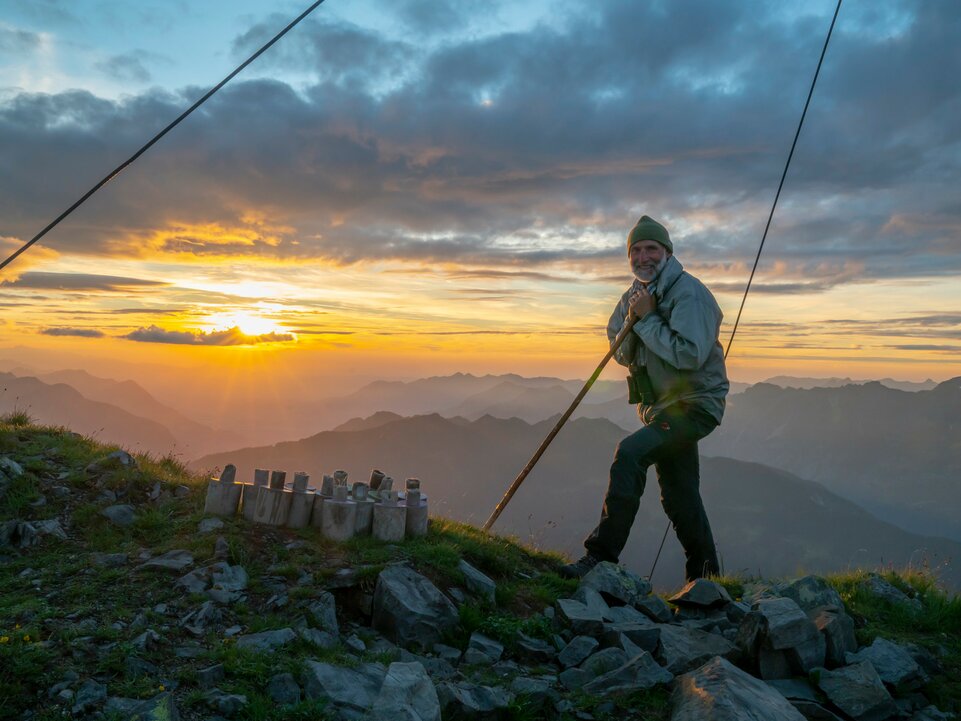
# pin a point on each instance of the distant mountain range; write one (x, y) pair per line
(112, 411)
(766, 520)
(896, 453)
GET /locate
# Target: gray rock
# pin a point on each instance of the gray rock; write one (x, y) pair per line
(616, 584)
(625, 614)
(577, 650)
(221, 548)
(448, 653)
(409, 610)
(838, 631)
(643, 635)
(196, 581)
(467, 701)
(283, 689)
(719, 691)
(146, 641)
(682, 649)
(477, 582)
(599, 663)
(10, 467)
(407, 694)
(857, 691)
(794, 689)
(810, 592)
(120, 515)
(266, 640)
(199, 620)
(482, 650)
(639, 673)
(778, 639)
(323, 639)
(175, 561)
(578, 617)
(533, 650)
(593, 600)
(655, 608)
(118, 460)
(322, 612)
(877, 586)
(894, 663)
(785, 624)
(159, 708)
(573, 678)
(18, 534)
(208, 525)
(228, 704)
(347, 689)
(227, 582)
(701, 593)
(89, 696)
(50, 527)
(134, 667)
(108, 560)
(932, 713)
(209, 677)
(534, 692)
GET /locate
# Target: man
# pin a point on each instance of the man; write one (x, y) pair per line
(679, 382)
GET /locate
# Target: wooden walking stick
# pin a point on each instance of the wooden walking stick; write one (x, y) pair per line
(499, 508)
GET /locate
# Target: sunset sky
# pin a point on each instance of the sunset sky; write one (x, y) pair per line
(411, 187)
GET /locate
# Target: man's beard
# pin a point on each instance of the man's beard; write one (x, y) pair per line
(639, 273)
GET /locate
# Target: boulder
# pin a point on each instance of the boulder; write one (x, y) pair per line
(599, 663)
(655, 608)
(578, 617)
(616, 584)
(174, 561)
(346, 689)
(467, 701)
(533, 650)
(838, 631)
(477, 582)
(894, 664)
(120, 515)
(409, 610)
(89, 696)
(283, 689)
(810, 592)
(682, 649)
(482, 650)
(208, 525)
(644, 635)
(228, 704)
(639, 673)
(407, 694)
(322, 612)
(701, 593)
(777, 639)
(577, 650)
(877, 586)
(626, 614)
(593, 600)
(857, 691)
(50, 527)
(719, 691)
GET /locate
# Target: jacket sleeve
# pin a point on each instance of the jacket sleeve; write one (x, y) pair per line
(625, 354)
(685, 341)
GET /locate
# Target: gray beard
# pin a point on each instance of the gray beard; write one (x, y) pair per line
(657, 271)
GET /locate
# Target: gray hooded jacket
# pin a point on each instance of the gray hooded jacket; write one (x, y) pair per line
(678, 343)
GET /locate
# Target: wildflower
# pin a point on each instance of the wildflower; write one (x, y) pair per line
(16, 627)
(4, 639)
(162, 687)
(26, 637)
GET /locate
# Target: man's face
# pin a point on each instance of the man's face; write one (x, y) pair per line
(647, 258)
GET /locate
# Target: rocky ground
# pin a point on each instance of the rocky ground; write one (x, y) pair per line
(119, 599)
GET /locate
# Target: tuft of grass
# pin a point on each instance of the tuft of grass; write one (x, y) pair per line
(17, 418)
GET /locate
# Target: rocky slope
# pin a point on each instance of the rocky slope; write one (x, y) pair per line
(121, 600)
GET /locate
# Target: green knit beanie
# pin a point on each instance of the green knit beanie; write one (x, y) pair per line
(649, 229)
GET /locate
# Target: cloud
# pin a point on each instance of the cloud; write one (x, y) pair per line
(127, 67)
(532, 150)
(79, 281)
(16, 42)
(80, 332)
(231, 336)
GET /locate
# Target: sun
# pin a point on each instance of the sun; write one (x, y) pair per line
(249, 323)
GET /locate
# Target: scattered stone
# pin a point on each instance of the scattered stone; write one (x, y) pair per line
(18, 534)
(683, 649)
(356, 643)
(196, 581)
(347, 689)
(625, 614)
(210, 676)
(779, 624)
(90, 695)
(50, 527)
(159, 708)
(409, 610)
(605, 660)
(108, 560)
(146, 641)
(640, 672)
(894, 664)
(198, 621)
(537, 692)
(857, 691)
(533, 650)
(617, 585)
(228, 582)
(266, 640)
(118, 460)
(578, 617)
(283, 689)
(120, 515)
(209, 524)
(655, 608)
(810, 592)
(477, 582)
(448, 653)
(719, 691)
(322, 612)
(228, 704)
(325, 640)
(407, 694)
(181, 491)
(701, 593)
(10, 467)
(175, 561)
(467, 701)
(838, 631)
(593, 600)
(643, 635)
(134, 667)
(221, 548)
(877, 586)
(577, 650)
(482, 650)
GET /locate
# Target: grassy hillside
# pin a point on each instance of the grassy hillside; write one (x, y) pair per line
(66, 612)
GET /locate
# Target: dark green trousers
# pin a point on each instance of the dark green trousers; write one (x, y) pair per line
(669, 443)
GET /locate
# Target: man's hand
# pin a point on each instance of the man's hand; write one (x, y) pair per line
(640, 303)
